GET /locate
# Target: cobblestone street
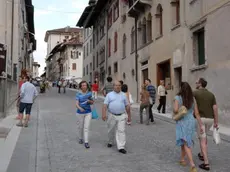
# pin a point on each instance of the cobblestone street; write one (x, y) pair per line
(50, 143)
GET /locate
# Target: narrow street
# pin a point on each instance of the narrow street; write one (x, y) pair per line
(50, 143)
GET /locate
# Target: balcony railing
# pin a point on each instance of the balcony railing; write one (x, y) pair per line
(138, 6)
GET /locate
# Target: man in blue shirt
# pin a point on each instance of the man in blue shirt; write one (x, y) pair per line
(152, 92)
(117, 105)
(28, 93)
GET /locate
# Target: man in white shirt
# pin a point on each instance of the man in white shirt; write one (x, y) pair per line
(28, 93)
(162, 96)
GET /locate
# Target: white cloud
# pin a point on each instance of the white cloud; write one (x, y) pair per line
(49, 10)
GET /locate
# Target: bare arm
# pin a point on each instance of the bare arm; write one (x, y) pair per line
(215, 110)
(197, 115)
(79, 107)
(175, 106)
(104, 110)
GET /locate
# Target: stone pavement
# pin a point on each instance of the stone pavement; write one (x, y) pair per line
(50, 143)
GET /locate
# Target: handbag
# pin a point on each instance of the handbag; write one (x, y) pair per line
(131, 99)
(94, 113)
(216, 136)
(180, 114)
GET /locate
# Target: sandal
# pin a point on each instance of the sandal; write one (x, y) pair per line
(193, 169)
(204, 167)
(200, 157)
(183, 163)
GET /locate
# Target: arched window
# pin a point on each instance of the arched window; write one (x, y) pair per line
(109, 54)
(115, 41)
(132, 39)
(149, 28)
(144, 30)
(175, 12)
(139, 34)
(124, 46)
(159, 20)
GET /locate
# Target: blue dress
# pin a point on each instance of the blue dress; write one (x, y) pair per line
(185, 127)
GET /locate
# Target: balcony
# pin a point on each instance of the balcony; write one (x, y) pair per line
(137, 7)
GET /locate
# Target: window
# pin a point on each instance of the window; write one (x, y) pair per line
(159, 20)
(83, 71)
(94, 37)
(144, 38)
(109, 70)
(115, 68)
(87, 49)
(84, 53)
(93, 62)
(115, 41)
(91, 45)
(97, 62)
(90, 68)
(116, 11)
(199, 47)
(74, 66)
(109, 47)
(124, 46)
(110, 18)
(149, 28)
(139, 34)
(87, 70)
(175, 12)
(132, 40)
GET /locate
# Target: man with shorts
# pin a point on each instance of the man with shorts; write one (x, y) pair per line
(27, 95)
(208, 111)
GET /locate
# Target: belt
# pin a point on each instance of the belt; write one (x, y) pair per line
(118, 114)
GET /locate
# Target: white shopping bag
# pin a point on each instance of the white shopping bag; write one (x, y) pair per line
(216, 136)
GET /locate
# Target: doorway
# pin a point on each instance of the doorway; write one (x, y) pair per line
(163, 73)
(178, 78)
(145, 74)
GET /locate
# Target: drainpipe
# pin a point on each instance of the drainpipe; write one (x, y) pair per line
(136, 58)
(106, 46)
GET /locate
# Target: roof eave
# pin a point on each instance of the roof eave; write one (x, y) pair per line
(84, 15)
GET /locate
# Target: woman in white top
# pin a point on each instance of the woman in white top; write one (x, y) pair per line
(162, 96)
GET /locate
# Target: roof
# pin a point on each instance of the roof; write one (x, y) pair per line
(84, 15)
(95, 13)
(61, 46)
(62, 30)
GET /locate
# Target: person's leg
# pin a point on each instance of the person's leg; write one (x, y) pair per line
(111, 123)
(141, 113)
(160, 105)
(28, 113)
(147, 114)
(22, 107)
(188, 151)
(59, 89)
(80, 125)
(150, 112)
(120, 132)
(163, 103)
(183, 154)
(87, 122)
(96, 94)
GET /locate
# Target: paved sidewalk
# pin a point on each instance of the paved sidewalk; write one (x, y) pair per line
(50, 143)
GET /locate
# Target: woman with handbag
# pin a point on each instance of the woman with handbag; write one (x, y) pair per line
(184, 108)
(84, 113)
(145, 104)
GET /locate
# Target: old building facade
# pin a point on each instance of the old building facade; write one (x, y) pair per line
(58, 36)
(175, 40)
(17, 42)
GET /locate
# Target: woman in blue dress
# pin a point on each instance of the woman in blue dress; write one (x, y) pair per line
(185, 127)
(84, 113)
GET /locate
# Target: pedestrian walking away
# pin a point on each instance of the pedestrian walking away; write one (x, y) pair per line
(118, 107)
(145, 104)
(208, 110)
(152, 92)
(186, 124)
(95, 89)
(84, 113)
(108, 86)
(28, 94)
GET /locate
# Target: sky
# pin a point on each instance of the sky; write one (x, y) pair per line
(53, 14)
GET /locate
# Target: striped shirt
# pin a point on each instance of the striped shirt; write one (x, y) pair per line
(28, 92)
(152, 92)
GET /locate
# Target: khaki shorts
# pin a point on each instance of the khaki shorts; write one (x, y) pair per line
(207, 124)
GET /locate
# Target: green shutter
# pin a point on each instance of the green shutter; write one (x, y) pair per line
(201, 47)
